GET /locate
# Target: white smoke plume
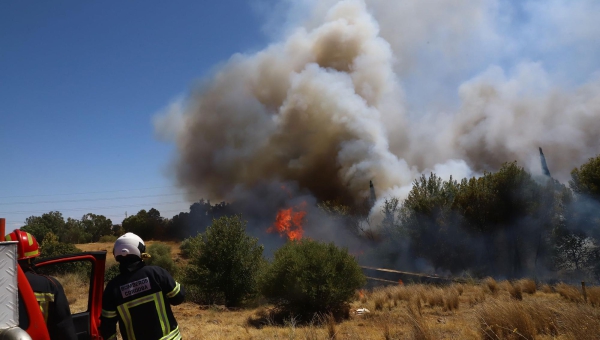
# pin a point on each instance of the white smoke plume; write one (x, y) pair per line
(385, 90)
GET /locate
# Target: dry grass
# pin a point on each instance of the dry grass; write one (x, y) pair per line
(515, 291)
(458, 311)
(569, 292)
(76, 290)
(476, 295)
(408, 312)
(451, 301)
(593, 296)
(527, 286)
(434, 297)
(419, 326)
(491, 285)
(547, 289)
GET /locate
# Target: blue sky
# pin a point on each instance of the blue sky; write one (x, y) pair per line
(79, 84)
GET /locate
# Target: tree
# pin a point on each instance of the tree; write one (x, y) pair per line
(40, 226)
(573, 250)
(226, 262)
(309, 277)
(503, 208)
(436, 232)
(585, 180)
(145, 224)
(96, 226)
(74, 232)
(197, 220)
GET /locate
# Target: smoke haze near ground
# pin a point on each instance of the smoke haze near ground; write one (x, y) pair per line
(353, 91)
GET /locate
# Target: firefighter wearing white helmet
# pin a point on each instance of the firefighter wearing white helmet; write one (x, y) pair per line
(139, 299)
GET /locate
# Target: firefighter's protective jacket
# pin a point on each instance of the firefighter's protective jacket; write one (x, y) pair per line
(140, 299)
(53, 304)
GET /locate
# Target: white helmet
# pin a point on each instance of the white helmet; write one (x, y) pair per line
(129, 244)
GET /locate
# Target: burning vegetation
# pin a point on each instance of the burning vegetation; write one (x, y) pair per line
(289, 222)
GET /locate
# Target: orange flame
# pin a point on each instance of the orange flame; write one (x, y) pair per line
(289, 222)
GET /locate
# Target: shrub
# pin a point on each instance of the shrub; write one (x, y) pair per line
(161, 256)
(226, 262)
(50, 247)
(190, 247)
(308, 277)
(111, 272)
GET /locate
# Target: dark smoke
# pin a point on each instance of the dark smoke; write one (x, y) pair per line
(325, 108)
(383, 90)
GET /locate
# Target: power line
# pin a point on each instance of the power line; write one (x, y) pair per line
(93, 208)
(88, 192)
(92, 199)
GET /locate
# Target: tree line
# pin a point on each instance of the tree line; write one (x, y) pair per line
(148, 224)
(504, 223)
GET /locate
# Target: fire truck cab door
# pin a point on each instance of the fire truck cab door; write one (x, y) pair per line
(90, 267)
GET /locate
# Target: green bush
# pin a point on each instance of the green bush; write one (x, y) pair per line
(190, 247)
(111, 272)
(226, 262)
(161, 256)
(309, 277)
(50, 247)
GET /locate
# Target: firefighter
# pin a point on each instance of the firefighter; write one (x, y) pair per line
(48, 291)
(140, 297)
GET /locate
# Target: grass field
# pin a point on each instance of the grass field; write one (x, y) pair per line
(487, 310)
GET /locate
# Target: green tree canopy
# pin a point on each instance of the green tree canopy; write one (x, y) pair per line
(39, 226)
(585, 180)
(96, 226)
(225, 261)
(74, 232)
(145, 224)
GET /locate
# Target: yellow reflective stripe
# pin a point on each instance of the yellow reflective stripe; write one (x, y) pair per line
(44, 300)
(174, 335)
(29, 239)
(175, 291)
(159, 304)
(124, 312)
(44, 297)
(162, 314)
(33, 252)
(7, 238)
(109, 313)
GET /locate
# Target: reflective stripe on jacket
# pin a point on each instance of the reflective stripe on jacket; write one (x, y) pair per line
(140, 301)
